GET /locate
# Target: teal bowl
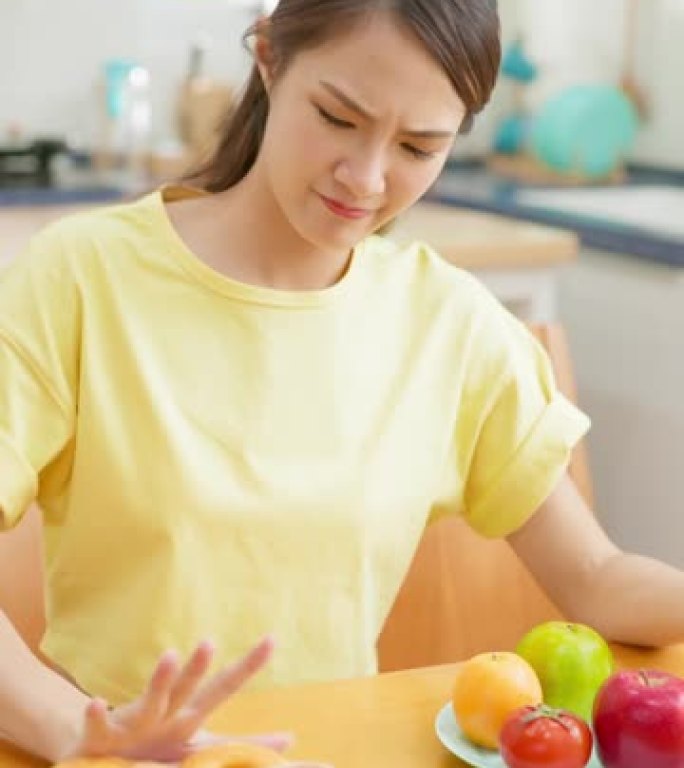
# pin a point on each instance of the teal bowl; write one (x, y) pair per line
(585, 129)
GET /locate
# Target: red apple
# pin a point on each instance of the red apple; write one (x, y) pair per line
(639, 720)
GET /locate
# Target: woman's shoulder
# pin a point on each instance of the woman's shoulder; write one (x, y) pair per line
(79, 239)
(451, 296)
(111, 220)
(426, 272)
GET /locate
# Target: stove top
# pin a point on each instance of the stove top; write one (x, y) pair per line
(30, 163)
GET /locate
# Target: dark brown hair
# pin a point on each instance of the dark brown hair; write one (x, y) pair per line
(462, 35)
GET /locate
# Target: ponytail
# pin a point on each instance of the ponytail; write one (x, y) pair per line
(241, 134)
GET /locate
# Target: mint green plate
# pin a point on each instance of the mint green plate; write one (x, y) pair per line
(453, 739)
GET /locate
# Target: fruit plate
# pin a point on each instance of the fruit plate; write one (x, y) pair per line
(453, 739)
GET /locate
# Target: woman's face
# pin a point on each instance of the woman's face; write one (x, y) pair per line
(358, 129)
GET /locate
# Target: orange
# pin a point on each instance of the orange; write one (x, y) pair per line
(487, 688)
(243, 755)
(94, 762)
(238, 755)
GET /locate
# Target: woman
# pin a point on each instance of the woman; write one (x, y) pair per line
(238, 408)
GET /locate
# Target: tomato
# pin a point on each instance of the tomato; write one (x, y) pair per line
(541, 736)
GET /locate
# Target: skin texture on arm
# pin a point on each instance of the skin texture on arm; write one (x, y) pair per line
(39, 709)
(46, 715)
(626, 597)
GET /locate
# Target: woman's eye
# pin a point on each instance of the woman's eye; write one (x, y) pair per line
(418, 153)
(334, 120)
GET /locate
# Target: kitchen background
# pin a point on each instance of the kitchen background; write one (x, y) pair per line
(621, 300)
(51, 82)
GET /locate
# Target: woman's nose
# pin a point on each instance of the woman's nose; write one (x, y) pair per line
(363, 174)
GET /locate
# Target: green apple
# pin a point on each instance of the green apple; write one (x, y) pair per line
(571, 662)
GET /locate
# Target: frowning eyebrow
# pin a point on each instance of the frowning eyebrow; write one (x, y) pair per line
(355, 107)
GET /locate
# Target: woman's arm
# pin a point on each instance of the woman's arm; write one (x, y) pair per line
(39, 710)
(627, 598)
(46, 715)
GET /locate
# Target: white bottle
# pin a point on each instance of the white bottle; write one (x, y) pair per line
(137, 123)
(128, 114)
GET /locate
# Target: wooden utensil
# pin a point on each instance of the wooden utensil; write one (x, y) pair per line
(628, 80)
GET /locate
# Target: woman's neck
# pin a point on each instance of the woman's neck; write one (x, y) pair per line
(244, 234)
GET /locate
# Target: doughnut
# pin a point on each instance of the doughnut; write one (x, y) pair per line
(243, 755)
(238, 755)
(95, 762)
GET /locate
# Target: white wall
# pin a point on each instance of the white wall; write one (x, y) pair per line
(49, 79)
(51, 53)
(623, 317)
(661, 59)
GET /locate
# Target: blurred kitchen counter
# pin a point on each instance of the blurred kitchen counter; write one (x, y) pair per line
(483, 241)
(518, 260)
(600, 216)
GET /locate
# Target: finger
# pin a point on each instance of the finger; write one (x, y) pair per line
(190, 676)
(156, 698)
(232, 678)
(98, 733)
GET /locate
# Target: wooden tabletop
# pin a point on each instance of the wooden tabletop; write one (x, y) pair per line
(475, 240)
(385, 721)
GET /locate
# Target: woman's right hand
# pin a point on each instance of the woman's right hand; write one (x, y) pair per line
(164, 723)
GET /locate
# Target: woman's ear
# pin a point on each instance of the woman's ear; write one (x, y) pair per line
(263, 52)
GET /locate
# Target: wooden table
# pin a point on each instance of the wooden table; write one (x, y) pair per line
(378, 722)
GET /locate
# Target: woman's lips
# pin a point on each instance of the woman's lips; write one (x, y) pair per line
(339, 209)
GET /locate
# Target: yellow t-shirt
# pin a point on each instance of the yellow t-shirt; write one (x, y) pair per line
(221, 460)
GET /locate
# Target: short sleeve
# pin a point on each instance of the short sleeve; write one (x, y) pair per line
(39, 311)
(517, 440)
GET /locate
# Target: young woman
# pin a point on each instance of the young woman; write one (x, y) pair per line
(238, 407)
